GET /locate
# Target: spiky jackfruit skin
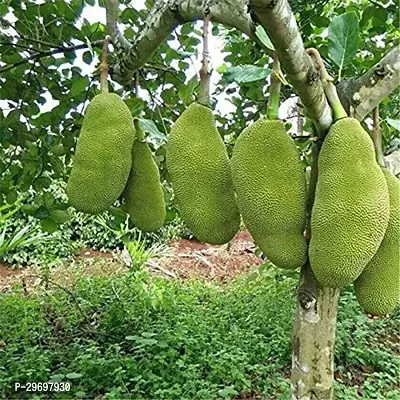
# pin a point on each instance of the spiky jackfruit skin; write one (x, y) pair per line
(143, 194)
(199, 169)
(102, 160)
(378, 287)
(351, 209)
(270, 184)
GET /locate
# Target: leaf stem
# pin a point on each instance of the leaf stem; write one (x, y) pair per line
(274, 90)
(204, 95)
(328, 86)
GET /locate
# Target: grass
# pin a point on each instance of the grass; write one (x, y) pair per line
(135, 336)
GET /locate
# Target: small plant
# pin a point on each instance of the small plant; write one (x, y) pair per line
(20, 237)
(122, 231)
(136, 252)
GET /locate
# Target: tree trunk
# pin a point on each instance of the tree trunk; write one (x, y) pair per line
(313, 339)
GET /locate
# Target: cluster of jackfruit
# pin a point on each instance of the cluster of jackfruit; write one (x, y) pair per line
(113, 161)
(355, 234)
(199, 168)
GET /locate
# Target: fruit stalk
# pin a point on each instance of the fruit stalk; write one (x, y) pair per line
(328, 86)
(204, 95)
(104, 67)
(274, 90)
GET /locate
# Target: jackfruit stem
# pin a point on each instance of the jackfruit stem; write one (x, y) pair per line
(376, 136)
(204, 94)
(137, 77)
(274, 91)
(327, 84)
(104, 67)
(138, 129)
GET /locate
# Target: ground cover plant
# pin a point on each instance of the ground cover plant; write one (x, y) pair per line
(138, 336)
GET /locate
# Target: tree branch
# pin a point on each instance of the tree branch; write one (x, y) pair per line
(48, 53)
(361, 95)
(279, 22)
(118, 39)
(166, 15)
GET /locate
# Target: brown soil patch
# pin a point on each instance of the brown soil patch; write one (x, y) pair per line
(6, 270)
(91, 253)
(183, 259)
(193, 259)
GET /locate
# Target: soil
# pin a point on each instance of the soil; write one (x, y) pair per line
(184, 259)
(191, 258)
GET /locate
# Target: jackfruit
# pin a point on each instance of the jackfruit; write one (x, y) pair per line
(270, 184)
(351, 209)
(378, 287)
(143, 194)
(199, 169)
(102, 160)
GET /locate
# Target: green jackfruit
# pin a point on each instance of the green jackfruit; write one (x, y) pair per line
(102, 160)
(199, 169)
(378, 287)
(351, 209)
(270, 185)
(144, 195)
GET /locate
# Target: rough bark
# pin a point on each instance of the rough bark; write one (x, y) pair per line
(361, 95)
(118, 39)
(279, 22)
(314, 327)
(166, 15)
(313, 339)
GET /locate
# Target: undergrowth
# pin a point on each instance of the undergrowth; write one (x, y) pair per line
(136, 336)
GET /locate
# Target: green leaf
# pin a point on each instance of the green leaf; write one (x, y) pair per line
(245, 73)
(58, 149)
(41, 183)
(79, 86)
(264, 38)
(87, 57)
(73, 375)
(227, 392)
(343, 39)
(48, 199)
(60, 216)
(395, 123)
(12, 197)
(185, 92)
(151, 128)
(49, 225)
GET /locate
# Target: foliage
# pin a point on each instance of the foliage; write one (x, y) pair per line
(366, 353)
(146, 337)
(106, 232)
